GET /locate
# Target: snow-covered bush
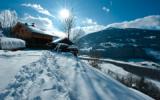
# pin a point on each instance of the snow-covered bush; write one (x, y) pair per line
(11, 43)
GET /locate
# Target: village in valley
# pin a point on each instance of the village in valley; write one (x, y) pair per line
(59, 55)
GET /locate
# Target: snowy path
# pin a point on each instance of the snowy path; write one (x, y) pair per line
(64, 77)
(11, 62)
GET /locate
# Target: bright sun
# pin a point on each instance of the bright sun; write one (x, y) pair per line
(64, 13)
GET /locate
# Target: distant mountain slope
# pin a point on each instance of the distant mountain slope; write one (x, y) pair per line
(121, 43)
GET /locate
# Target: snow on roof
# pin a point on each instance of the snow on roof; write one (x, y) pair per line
(62, 40)
(58, 40)
(36, 30)
(54, 33)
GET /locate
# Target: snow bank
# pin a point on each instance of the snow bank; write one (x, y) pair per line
(11, 43)
(64, 77)
(147, 64)
(106, 67)
(11, 62)
(36, 30)
(19, 53)
(157, 83)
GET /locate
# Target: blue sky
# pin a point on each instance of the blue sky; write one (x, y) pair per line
(101, 12)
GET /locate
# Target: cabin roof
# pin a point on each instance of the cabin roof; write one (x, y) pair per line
(36, 30)
(39, 31)
(62, 40)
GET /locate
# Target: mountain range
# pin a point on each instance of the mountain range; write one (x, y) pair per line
(118, 43)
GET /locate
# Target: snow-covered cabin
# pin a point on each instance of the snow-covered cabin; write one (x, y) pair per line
(33, 36)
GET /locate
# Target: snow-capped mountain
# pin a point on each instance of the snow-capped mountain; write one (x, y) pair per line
(119, 43)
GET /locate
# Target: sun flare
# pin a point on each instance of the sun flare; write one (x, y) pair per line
(64, 13)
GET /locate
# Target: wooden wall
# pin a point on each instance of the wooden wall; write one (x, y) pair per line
(35, 40)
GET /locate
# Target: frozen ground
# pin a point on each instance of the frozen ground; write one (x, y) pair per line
(11, 62)
(106, 67)
(63, 77)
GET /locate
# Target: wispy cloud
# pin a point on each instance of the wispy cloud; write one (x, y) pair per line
(148, 22)
(38, 8)
(111, 3)
(90, 26)
(91, 29)
(105, 9)
(88, 22)
(42, 23)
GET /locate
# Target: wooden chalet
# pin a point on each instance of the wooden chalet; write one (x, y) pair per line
(34, 37)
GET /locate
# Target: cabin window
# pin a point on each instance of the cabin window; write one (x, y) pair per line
(22, 30)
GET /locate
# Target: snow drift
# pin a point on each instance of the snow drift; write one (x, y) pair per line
(64, 77)
(11, 43)
(12, 61)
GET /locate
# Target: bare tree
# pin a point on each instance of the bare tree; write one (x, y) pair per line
(69, 24)
(1, 34)
(0, 26)
(77, 34)
(8, 20)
